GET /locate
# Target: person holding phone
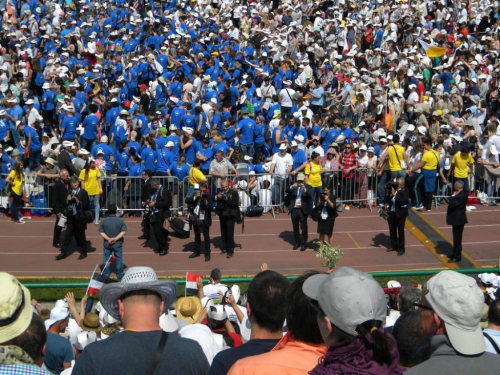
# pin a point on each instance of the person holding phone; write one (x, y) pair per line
(300, 207)
(326, 206)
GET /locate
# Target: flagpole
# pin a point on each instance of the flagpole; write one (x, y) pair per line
(91, 277)
(107, 263)
(185, 289)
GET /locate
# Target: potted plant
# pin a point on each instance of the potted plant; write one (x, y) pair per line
(331, 255)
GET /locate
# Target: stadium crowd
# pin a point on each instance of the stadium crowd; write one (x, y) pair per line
(341, 322)
(369, 91)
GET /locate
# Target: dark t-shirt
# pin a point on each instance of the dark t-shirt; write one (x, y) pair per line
(132, 352)
(57, 352)
(226, 102)
(145, 102)
(227, 358)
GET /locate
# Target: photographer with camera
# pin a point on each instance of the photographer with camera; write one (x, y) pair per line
(200, 215)
(396, 205)
(300, 207)
(77, 203)
(227, 210)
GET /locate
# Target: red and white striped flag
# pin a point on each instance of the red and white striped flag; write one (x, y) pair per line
(191, 285)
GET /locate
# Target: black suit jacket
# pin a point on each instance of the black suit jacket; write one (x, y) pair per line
(59, 199)
(64, 162)
(331, 211)
(208, 207)
(402, 197)
(306, 200)
(456, 209)
(163, 203)
(83, 200)
(145, 190)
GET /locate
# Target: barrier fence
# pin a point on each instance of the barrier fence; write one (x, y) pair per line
(235, 280)
(362, 187)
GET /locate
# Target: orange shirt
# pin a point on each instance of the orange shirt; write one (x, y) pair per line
(288, 357)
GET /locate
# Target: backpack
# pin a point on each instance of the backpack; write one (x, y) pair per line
(254, 211)
(177, 226)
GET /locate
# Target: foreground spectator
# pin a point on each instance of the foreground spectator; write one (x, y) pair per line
(22, 334)
(351, 312)
(410, 339)
(266, 306)
(299, 349)
(450, 312)
(139, 301)
(59, 353)
(492, 332)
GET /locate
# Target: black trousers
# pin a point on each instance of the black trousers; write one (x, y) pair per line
(161, 234)
(458, 231)
(299, 222)
(227, 234)
(146, 225)
(200, 228)
(397, 231)
(57, 232)
(77, 230)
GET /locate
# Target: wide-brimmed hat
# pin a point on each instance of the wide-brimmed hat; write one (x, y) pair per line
(91, 322)
(188, 309)
(458, 301)
(50, 161)
(137, 278)
(15, 307)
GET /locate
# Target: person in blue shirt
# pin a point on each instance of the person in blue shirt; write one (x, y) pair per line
(200, 121)
(33, 144)
(259, 135)
(90, 125)
(229, 132)
(205, 154)
(4, 128)
(48, 104)
(164, 159)
(188, 145)
(69, 125)
(187, 120)
(246, 130)
(106, 150)
(133, 185)
(299, 158)
(177, 113)
(346, 134)
(148, 154)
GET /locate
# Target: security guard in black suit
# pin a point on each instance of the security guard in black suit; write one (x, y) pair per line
(77, 202)
(145, 197)
(457, 218)
(398, 211)
(228, 210)
(59, 204)
(200, 216)
(300, 207)
(160, 203)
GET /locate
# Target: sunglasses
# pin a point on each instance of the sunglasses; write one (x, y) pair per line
(420, 306)
(316, 307)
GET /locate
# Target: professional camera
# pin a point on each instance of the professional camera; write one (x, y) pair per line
(391, 185)
(384, 212)
(73, 199)
(204, 195)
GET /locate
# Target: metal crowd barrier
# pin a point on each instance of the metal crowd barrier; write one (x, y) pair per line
(266, 190)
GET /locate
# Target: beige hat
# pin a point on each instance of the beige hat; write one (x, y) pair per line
(188, 309)
(50, 161)
(15, 307)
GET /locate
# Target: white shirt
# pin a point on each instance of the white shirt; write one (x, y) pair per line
(212, 291)
(245, 201)
(286, 97)
(282, 163)
(264, 197)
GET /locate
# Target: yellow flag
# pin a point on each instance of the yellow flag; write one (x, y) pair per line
(432, 51)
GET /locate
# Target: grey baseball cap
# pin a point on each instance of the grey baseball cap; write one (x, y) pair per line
(348, 297)
(458, 301)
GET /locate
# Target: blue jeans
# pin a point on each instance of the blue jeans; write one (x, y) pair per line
(247, 150)
(397, 174)
(87, 144)
(34, 158)
(94, 200)
(117, 252)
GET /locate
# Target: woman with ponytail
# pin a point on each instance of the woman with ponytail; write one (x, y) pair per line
(351, 310)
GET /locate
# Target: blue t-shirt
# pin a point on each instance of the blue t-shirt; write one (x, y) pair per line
(123, 161)
(90, 124)
(58, 351)
(35, 138)
(108, 152)
(208, 153)
(246, 127)
(69, 125)
(148, 157)
(164, 159)
(299, 158)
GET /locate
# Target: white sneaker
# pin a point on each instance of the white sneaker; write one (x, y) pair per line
(418, 208)
(96, 222)
(468, 208)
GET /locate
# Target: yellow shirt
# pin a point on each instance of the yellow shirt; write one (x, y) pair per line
(431, 159)
(313, 171)
(396, 152)
(461, 164)
(91, 185)
(17, 181)
(196, 176)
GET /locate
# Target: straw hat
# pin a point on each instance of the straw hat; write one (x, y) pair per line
(15, 307)
(91, 323)
(188, 309)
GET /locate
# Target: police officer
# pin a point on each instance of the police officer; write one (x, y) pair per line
(200, 213)
(227, 210)
(159, 204)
